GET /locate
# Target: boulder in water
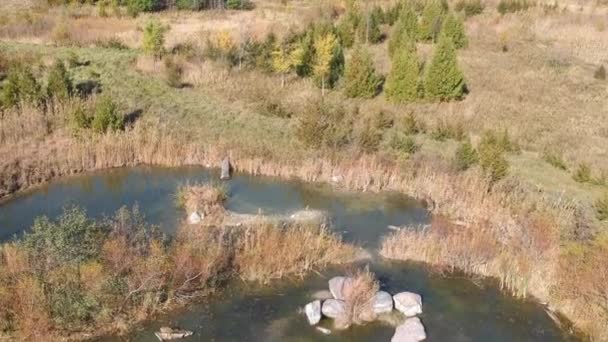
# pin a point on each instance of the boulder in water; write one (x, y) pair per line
(322, 295)
(313, 312)
(383, 302)
(411, 330)
(340, 287)
(167, 334)
(408, 303)
(225, 169)
(333, 308)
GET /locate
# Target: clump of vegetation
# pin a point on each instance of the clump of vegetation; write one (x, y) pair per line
(443, 79)
(600, 73)
(358, 301)
(329, 61)
(21, 87)
(173, 72)
(555, 160)
(405, 32)
(106, 116)
(154, 39)
(444, 130)
(432, 19)
(205, 199)
(512, 6)
(583, 173)
(491, 152)
(469, 7)
(360, 78)
(324, 125)
(601, 208)
(404, 143)
(59, 84)
(402, 84)
(465, 156)
(286, 60)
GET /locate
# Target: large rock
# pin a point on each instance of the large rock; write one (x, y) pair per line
(225, 169)
(383, 302)
(333, 308)
(340, 286)
(411, 330)
(195, 218)
(408, 303)
(167, 334)
(313, 312)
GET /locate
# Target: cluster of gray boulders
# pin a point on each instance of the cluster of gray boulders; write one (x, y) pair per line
(332, 304)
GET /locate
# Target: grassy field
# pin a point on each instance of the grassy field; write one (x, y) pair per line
(532, 73)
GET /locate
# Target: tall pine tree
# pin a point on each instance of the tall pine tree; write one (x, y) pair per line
(453, 27)
(431, 21)
(402, 82)
(443, 79)
(360, 78)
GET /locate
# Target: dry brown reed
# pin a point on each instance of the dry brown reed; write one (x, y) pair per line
(358, 299)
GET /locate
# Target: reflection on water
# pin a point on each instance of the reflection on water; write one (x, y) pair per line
(455, 309)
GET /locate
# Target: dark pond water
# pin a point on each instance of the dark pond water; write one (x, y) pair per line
(455, 308)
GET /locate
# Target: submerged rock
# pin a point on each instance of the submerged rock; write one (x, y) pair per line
(383, 302)
(324, 330)
(408, 303)
(313, 312)
(333, 308)
(167, 334)
(411, 330)
(225, 169)
(340, 286)
(195, 218)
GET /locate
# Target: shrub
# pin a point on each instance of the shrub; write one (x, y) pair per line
(369, 29)
(238, 4)
(193, 5)
(102, 7)
(59, 84)
(600, 73)
(555, 160)
(106, 117)
(405, 32)
(20, 86)
(453, 27)
(403, 143)
(173, 73)
(432, 20)
(348, 26)
(465, 156)
(403, 80)
(324, 125)
(361, 79)
(582, 173)
(512, 6)
(443, 79)
(111, 43)
(469, 7)
(601, 208)
(154, 39)
(79, 119)
(491, 157)
(445, 130)
(136, 6)
(411, 125)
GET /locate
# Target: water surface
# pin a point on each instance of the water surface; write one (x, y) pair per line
(455, 308)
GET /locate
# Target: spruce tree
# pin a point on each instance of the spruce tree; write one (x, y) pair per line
(59, 84)
(369, 30)
(405, 29)
(453, 27)
(465, 156)
(402, 82)
(361, 79)
(443, 79)
(432, 19)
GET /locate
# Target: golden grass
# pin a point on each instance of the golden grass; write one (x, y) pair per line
(358, 299)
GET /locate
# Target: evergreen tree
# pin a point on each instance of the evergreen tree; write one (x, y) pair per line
(329, 60)
(361, 79)
(465, 156)
(405, 29)
(350, 24)
(154, 39)
(443, 79)
(453, 27)
(369, 30)
(21, 87)
(432, 19)
(402, 82)
(59, 85)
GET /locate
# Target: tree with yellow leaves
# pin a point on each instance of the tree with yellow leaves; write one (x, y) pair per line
(286, 60)
(327, 52)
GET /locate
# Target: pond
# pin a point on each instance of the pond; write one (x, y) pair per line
(456, 308)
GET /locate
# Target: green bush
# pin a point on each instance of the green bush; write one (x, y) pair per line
(403, 81)
(453, 27)
(348, 26)
(405, 32)
(360, 77)
(403, 143)
(601, 208)
(20, 87)
(106, 117)
(237, 4)
(79, 119)
(324, 125)
(136, 6)
(369, 137)
(445, 130)
(555, 160)
(443, 79)
(70, 307)
(411, 125)
(465, 156)
(59, 84)
(469, 7)
(583, 173)
(154, 39)
(193, 5)
(493, 162)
